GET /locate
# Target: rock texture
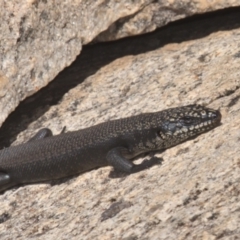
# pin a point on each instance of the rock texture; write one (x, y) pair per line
(194, 194)
(39, 39)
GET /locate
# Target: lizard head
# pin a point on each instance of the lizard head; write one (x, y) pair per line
(186, 122)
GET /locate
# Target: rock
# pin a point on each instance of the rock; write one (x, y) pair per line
(194, 194)
(38, 39)
(157, 14)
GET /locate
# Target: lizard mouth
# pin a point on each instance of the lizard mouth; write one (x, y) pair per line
(211, 119)
(214, 117)
(218, 116)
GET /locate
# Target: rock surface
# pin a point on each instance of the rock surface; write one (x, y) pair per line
(194, 194)
(38, 39)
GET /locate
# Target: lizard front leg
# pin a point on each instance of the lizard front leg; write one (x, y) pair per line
(116, 158)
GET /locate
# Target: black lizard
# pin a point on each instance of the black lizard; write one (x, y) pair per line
(47, 157)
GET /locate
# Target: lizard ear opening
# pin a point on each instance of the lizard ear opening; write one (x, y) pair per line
(160, 134)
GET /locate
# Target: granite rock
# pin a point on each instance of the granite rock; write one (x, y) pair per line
(194, 194)
(39, 38)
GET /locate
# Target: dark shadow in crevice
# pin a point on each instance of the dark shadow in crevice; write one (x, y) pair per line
(94, 57)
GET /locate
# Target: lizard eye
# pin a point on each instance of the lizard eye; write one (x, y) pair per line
(187, 120)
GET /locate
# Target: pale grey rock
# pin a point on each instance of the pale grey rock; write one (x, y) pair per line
(194, 194)
(159, 13)
(39, 38)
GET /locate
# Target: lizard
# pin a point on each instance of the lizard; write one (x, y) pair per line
(116, 142)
